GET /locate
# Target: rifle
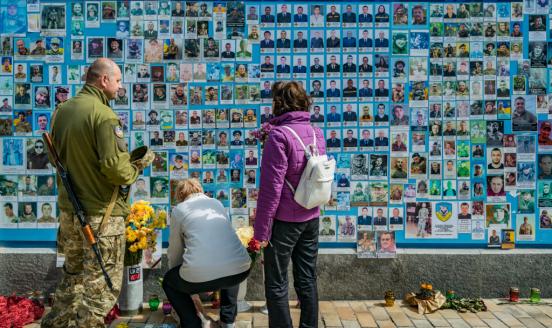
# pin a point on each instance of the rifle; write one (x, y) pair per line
(77, 206)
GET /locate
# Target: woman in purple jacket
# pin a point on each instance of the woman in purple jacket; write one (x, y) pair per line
(286, 229)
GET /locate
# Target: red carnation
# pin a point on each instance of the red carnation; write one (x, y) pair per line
(254, 246)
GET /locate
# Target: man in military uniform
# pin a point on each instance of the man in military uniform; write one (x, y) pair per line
(27, 188)
(181, 142)
(243, 53)
(150, 33)
(23, 126)
(9, 215)
(333, 15)
(39, 49)
(6, 107)
(90, 141)
(8, 188)
(141, 193)
(55, 50)
(159, 190)
(138, 119)
(28, 214)
(20, 74)
(22, 96)
(42, 97)
(153, 118)
(172, 50)
(46, 214)
(21, 49)
(121, 98)
(47, 189)
(237, 138)
(37, 158)
(137, 10)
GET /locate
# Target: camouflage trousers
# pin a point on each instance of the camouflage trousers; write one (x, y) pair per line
(82, 298)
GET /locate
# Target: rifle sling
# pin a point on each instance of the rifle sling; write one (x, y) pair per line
(108, 211)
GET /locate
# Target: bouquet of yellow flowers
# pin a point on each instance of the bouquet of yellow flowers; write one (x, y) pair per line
(252, 245)
(140, 226)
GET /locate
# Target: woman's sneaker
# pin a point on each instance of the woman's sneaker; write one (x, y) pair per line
(264, 310)
(210, 324)
(243, 306)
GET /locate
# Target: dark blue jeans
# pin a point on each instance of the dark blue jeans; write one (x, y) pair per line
(179, 293)
(298, 242)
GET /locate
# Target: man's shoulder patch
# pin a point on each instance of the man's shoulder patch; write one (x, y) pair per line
(118, 131)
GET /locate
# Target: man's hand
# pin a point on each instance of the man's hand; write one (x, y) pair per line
(144, 161)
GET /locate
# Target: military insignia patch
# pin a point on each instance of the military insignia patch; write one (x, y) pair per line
(445, 211)
(118, 131)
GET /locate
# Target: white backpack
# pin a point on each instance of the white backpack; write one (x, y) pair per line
(315, 185)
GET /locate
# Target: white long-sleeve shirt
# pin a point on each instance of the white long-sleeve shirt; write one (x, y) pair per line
(203, 241)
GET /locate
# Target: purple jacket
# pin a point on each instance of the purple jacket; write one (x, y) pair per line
(284, 158)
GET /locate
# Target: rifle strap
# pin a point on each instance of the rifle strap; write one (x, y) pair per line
(108, 211)
(53, 119)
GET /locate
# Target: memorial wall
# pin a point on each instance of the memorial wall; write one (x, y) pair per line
(437, 113)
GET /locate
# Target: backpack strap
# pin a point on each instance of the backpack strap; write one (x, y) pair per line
(307, 153)
(290, 186)
(314, 138)
(298, 138)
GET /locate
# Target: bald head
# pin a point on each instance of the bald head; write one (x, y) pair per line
(100, 67)
(105, 75)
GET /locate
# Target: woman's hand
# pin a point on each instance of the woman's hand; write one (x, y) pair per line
(264, 243)
(197, 304)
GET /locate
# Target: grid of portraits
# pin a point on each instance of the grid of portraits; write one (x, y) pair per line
(438, 114)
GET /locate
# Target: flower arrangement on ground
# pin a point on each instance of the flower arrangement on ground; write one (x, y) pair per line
(17, 311)
(428, 300)
(140, 226)
(426, 291)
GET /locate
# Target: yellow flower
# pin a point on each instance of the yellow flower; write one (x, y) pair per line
(141, 224)
(131, 237)
(142, 243)
(245, 235)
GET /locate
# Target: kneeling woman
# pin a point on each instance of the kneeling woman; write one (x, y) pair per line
(204, 254)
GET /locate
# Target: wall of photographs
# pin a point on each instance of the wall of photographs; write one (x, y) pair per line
(437, 113)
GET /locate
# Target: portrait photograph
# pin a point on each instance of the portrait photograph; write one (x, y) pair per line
(366, 244)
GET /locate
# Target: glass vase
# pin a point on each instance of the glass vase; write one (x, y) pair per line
(167, 307)
(535, 296)
(153, 302)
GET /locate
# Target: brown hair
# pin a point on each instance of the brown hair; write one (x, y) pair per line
(186, 187)
(289, 97)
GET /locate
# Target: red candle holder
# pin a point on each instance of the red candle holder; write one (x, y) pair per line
(514, 294)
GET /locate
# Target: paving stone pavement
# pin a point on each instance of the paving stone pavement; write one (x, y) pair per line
(372, 314)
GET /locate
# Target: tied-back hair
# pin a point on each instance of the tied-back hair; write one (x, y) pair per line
(289, 96)
(187, 187)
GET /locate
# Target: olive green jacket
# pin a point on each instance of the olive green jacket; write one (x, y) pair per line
(89, 140)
